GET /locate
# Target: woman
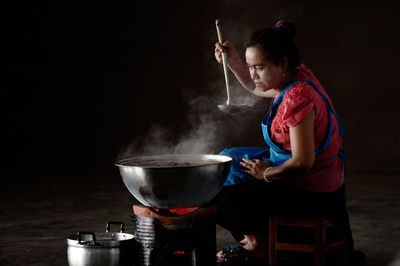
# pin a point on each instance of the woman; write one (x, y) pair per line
(302, 171)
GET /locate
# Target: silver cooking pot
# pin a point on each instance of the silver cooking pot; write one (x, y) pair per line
(175, 180)
(106, 248)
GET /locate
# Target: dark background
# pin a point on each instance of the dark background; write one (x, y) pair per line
(85, 79)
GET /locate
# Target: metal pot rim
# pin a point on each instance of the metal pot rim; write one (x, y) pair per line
(103, 239)
(218, 160)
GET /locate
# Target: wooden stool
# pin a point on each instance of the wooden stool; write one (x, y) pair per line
(319, 245)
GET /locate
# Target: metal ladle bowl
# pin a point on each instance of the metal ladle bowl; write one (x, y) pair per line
(233, 108)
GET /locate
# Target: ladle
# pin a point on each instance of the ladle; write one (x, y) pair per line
(229, 107)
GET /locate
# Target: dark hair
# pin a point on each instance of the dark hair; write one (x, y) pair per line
(276, 43)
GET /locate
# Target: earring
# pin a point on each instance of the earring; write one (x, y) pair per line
(283, 75)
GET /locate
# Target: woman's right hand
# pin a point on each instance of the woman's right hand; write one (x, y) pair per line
(239, 68)
(228, 49)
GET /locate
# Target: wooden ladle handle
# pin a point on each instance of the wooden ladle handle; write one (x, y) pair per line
(218, 24)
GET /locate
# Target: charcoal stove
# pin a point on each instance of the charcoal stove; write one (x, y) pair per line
(178, 237)
(165, 185)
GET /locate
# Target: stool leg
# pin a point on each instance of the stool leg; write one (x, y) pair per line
(322, 227)
(319, 243)
(346, 251)
(272, 241)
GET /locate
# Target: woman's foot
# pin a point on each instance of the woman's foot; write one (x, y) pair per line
(252, 246)
(256, 245)
(232, 253)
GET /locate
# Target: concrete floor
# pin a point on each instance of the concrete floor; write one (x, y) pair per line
(38, 214)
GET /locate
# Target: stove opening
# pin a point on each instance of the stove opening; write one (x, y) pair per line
(179, 252)
(174, 212)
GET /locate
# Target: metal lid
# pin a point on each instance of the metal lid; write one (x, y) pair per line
(98, 240)
(103, 239)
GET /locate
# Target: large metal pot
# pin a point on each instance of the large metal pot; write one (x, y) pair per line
(175, 180)
(106, 248)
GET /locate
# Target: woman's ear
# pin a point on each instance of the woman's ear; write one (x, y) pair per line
(284, 63)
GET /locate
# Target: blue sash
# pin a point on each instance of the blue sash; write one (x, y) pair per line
(274, 154)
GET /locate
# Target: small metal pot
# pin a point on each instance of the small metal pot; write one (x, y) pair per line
(106, 248)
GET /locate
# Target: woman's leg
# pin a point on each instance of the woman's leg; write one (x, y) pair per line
(244, 210)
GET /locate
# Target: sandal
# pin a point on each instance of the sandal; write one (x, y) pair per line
(233, 253)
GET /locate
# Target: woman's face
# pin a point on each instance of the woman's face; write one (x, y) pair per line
(265, 75)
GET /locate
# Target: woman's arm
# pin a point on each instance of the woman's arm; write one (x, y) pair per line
(303, 150)
(239, 69)
(303, 154)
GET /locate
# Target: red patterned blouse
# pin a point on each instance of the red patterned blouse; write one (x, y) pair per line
(297, 103)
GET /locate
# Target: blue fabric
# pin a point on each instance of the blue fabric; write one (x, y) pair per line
(274, 154)
(277, 155)
(330, 108)
(236, 175)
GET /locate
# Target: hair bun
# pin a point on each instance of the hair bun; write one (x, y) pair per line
(286, 28)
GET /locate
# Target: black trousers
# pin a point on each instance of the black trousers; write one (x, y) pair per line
(245, 208)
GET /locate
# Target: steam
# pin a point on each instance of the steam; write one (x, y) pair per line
(208, 130)
(240, 96)
(202, 135)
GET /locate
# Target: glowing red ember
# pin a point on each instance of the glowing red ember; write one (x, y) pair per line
(180, 211)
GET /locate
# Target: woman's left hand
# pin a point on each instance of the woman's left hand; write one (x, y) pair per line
(255, 167)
